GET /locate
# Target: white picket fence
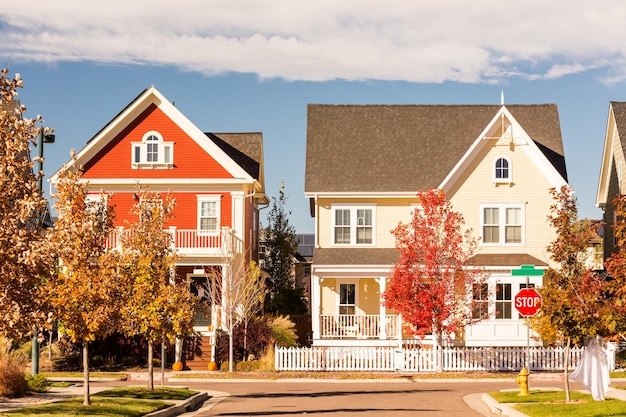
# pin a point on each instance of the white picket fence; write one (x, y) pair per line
(372, 358)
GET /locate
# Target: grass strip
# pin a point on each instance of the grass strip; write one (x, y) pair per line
(116, 402)
(552, 404)
(100, 407)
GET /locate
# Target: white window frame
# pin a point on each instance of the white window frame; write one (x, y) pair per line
(502, 301)
(502, 225)
(503, 180)
(347, 305)
(353, 210)
(140, 156)
(209, 199)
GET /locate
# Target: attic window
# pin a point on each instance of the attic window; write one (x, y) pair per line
(152, 152)
(502, 170)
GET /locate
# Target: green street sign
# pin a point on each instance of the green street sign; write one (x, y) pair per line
(527, 271)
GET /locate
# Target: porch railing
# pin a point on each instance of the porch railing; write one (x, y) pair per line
(350, 326)
(186, 240)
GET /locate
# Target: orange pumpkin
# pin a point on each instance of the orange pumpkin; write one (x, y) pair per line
(177, 366)
(212, 366)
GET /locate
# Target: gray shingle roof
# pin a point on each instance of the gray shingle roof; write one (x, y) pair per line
(405, 148)
(246, 149)
(619, 112)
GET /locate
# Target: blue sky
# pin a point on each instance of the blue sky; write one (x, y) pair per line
(242, 66)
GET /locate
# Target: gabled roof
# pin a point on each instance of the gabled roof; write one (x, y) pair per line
(615, 130)
(240, 154)
(405, 148)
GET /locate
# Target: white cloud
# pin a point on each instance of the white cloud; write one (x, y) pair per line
(447, 40)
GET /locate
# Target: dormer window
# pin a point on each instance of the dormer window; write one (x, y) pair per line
(152, 152)
(502, 170)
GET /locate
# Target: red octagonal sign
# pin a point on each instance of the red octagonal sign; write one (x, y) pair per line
(527, 301)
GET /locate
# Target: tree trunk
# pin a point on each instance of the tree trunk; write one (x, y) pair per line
(245, 340)
(162, 361)
(86, 397)
(150, 367)
(568, 398)
(230, 350)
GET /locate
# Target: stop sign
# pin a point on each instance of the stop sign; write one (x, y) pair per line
(527, 301)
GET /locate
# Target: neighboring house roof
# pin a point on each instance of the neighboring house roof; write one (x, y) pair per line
(355, 256)
(506, 260)
(405, 148)
(615, 130)
(389, 256)
(244, 148)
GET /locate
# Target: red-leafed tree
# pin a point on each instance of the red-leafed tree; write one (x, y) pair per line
(431, 283)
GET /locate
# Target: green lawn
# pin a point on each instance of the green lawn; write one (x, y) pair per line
(122, 401)
(552, 404)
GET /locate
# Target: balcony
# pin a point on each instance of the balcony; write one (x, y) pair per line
(193, 242)
(347, 326)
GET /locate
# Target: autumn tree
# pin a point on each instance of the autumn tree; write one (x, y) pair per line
(159, 305)
(239, 288)
(24, 260)
(431, 283)
(87, 291)
(283, 296)
(572, 295)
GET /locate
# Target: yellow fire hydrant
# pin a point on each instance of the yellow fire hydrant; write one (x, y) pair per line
(522, 381)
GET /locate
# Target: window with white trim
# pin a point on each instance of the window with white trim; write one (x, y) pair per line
(347, 299)
(502, 224)
(480, 305)
(208, 214)
(353, 225)
(152, 152)
(149, 207)
(503, 301)
(502, 170)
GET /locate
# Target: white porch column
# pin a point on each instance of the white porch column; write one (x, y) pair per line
(382, 285)
(315, 305)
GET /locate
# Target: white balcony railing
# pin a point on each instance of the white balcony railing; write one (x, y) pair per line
(348, 326)
(193, 241)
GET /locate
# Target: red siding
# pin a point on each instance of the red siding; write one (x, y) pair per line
(185, 212)
(190, 160)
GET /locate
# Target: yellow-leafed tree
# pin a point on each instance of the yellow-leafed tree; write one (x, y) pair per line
(24, 260)
(88, 291)
(160, 305)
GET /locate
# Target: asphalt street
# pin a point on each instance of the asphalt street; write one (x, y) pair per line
(342, 398)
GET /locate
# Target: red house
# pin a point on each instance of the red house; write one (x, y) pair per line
(216, 179)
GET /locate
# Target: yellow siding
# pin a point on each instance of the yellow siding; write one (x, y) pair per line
(389, 212)
(529, 187)
(328, 301)
(369, 296)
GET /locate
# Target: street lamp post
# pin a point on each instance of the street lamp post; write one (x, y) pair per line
(41, 139)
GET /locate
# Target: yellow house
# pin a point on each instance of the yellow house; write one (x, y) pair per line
(364, 166)
(611, 182)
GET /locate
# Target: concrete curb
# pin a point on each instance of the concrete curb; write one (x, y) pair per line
(190, 404)
(500, 408)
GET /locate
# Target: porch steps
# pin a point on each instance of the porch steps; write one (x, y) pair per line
(197, 353)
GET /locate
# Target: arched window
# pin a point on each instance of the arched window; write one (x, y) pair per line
(502, 170)
(152, 152)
